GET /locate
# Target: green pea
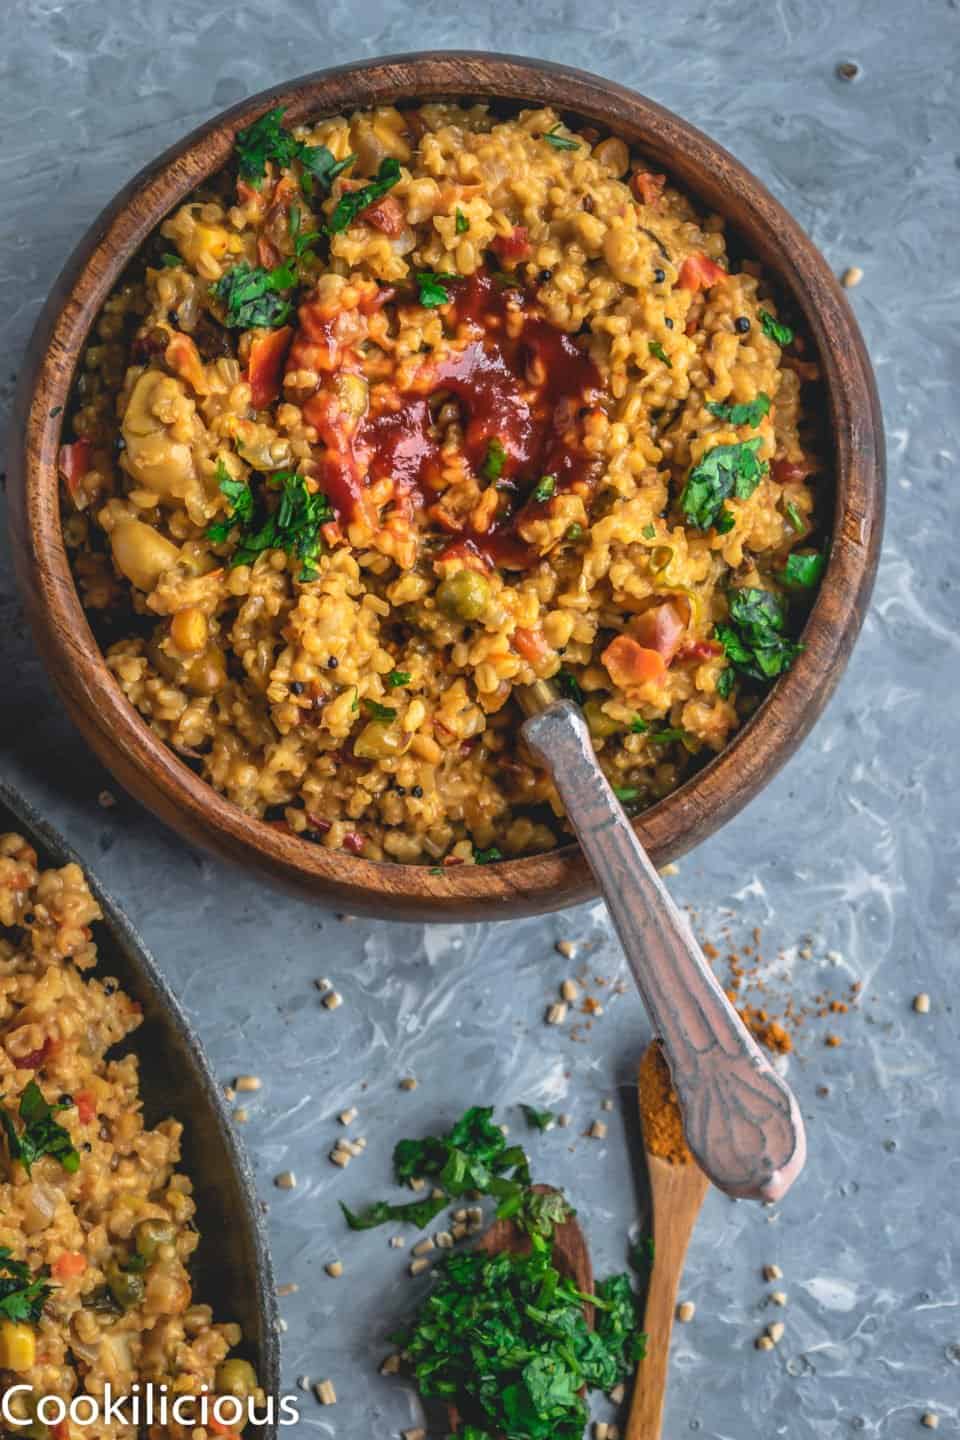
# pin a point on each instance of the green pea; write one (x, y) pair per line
(236, 1377)
(464, 596)
(153, 1233)
(126, 1286)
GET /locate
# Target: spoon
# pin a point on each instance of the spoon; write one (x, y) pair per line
(741, 1120)
(677, 1192)
(570, 1257)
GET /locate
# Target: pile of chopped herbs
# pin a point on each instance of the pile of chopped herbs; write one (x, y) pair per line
(504, 1338)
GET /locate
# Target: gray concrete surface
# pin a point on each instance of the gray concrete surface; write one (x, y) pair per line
(854, 845)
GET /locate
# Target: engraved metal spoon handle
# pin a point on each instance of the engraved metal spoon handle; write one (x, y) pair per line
(741, 1119)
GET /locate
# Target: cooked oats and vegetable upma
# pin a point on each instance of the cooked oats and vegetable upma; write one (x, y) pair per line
(96, 1221)
(406, 410)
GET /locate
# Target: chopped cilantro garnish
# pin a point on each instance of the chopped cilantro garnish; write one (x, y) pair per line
(266, 139)
(250, 296)
(494, 460)
(774, 329)
(462, 224)
(724, 471)
(22, 1295)
(397, 678)
(169, 261)
(41, 1134)
(560, 142)
(795, 518)
(649, 532)
(751, 412)
(668, 735)
(569, 686)
(638, 726)
(802, 572)
(377, 711)
(487, 857)
(544, 488)
(725, 522)
(538, 1119)
(349, 206)
(753, 639)
(294, 526)
(625, 793)
(432, 292)
(657, 350)
(574, 531)
(725, 682)
(417, 1212)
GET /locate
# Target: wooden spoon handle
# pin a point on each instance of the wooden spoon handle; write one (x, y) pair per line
(740, 1118)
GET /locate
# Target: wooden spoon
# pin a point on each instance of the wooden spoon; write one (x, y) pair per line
(677, 1192)
(570, 1256)
(740, 1118)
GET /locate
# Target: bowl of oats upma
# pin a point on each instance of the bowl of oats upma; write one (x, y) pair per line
(398, 390)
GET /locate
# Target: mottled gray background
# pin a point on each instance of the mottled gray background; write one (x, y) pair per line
(855, 844)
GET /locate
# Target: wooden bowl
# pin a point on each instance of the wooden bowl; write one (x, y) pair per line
(155, 775)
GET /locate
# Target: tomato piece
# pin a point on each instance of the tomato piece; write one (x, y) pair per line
(660, 629)
(218, 1428)
(386, 215)
(700, 650)
(69, 1265)
(647, 187)
(515, 246)
(354, 842)
(267, 253)
(531, 645)
(699, 272)
(246, 193)
(790, 472)
(183, 358)
(35, 1059)
(86, 1106)
(73, 462)
(629, 664)
(268, 353)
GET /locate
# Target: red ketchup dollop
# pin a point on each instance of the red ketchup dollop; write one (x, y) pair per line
(522, 384)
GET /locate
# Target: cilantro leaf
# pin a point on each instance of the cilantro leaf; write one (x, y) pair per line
(169, 260)
(417, 1212)
(461, 224)
(668, 735)
(574, 531)
(349, 206)
(638, 726)
(538, 1119)
(320, 168)
(725, 682)
(802, 572)
(649, 532)
(774, 329)
(494, 460)
(657, 350)
(264, 140)
(380, 712)
(293, 526)
(544, 489)
(569, 686)
(754, 641)
(22, 1295)
(723, 471)
(560, 142)
(625, 793)
(751, 412)
(397, 678)
(796, 519)
(249, 295)
(431, 285)
(41, 1134)
(487, 857)
(725, 522)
